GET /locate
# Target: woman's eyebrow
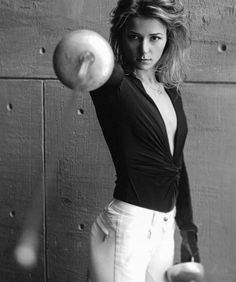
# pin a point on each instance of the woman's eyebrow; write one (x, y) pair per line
(151, 34)
(157, 33)
(131, 31)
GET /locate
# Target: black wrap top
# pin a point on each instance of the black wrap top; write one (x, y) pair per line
(148, 175)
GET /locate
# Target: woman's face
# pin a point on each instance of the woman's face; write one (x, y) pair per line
(143, 42)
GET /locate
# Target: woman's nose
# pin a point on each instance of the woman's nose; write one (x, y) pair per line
(144, 46)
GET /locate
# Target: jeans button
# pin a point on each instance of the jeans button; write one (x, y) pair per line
(165, 219)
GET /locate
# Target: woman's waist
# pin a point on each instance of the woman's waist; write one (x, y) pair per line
(147, 196)
(131, 209)
(157, 169)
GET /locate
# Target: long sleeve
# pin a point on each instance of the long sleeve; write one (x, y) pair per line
(184, 219)
(104, 100)
(184, 214)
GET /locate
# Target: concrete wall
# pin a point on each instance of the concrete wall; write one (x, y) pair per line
(52, 147)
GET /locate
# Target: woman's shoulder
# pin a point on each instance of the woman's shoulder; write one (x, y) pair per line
(113, 82)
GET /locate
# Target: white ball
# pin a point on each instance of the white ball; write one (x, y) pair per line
(25, 255)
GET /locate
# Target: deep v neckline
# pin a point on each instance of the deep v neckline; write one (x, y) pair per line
(163, 125)
(177, 125)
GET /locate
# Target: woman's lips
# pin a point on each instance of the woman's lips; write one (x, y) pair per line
(144, 60)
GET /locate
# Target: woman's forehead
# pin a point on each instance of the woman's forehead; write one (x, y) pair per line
(145, 25)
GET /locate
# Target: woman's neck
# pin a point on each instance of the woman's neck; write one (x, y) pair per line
(149, 81)
(147, 77)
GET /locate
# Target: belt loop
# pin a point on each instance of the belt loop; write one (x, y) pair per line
(153, 217)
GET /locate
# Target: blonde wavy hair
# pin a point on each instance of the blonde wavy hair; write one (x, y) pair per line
(170, 69)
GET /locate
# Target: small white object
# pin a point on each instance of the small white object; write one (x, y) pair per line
(186, 272)
(26, 252)
(26, 255)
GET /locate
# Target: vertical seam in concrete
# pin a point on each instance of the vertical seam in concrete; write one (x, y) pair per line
(44, 179)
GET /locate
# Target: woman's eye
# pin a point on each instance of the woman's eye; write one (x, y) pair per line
(155, 38)
(133, 37)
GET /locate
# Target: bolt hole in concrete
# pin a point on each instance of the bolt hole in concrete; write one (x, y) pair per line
(9, 107)
(80, 111)
(42, 50)
(222, 47)
(81, 226)
(12, 214)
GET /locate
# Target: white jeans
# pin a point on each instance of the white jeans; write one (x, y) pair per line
(131, 244)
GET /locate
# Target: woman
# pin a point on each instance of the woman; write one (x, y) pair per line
(141, 115)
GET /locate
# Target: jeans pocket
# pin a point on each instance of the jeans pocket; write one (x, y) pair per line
(101, 225)
(108, 219)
